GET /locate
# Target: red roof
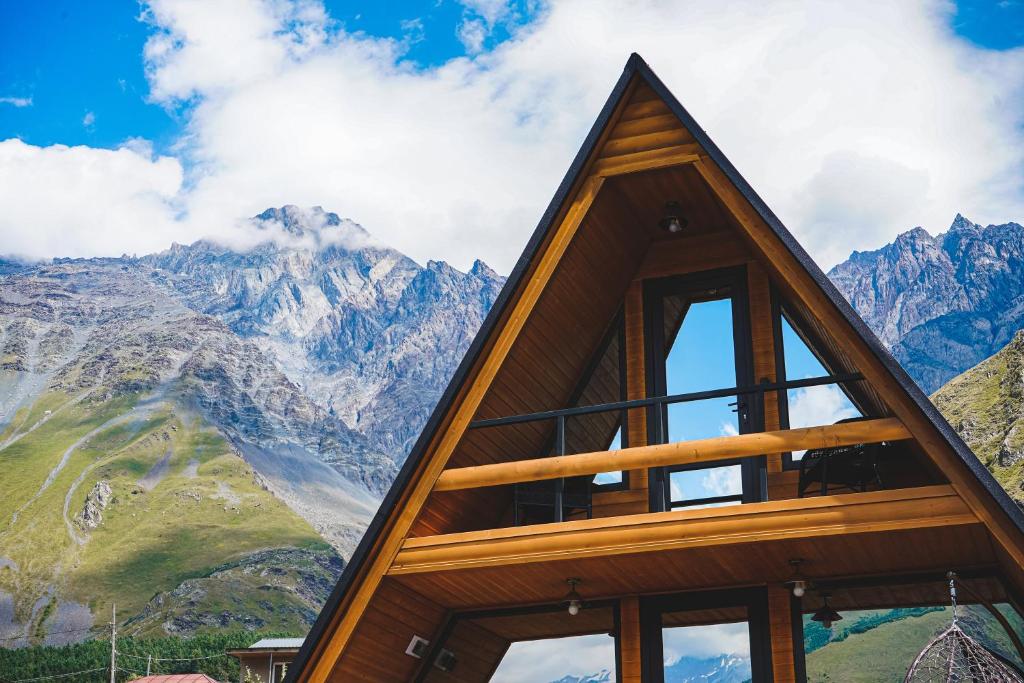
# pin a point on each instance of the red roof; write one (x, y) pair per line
(175, 678)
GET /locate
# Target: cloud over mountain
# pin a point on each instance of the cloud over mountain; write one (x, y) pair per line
(852, 120)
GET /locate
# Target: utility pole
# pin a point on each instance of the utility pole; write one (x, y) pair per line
(113, 643)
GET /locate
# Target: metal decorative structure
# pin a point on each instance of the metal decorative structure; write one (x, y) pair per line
(955, 657)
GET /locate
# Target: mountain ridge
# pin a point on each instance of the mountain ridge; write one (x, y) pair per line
(280, 384)
(941, 304)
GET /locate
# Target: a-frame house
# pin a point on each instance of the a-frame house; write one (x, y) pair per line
(720, 494)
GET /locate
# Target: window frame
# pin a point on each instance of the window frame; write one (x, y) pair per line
(754, 599)
(780, 312)
(700, 287)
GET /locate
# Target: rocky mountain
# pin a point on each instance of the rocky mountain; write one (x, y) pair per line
(942, 304)
(365, 331)
(192, 421)
(719, 669)
(603, 676)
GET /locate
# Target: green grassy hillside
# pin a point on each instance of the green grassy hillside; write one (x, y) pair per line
(182, 504)
(883, 651)
(986, 407)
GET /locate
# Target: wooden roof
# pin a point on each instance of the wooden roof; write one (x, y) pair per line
(597, 236)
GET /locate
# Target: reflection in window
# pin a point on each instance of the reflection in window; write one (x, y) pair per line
(884, 642)
(705, 651)
(611, 477)
(810, 406)
(578, 658)
(533, 645)
(707, 486)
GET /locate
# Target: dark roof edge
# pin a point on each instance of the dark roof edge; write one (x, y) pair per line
(444, 404)
(985, 478)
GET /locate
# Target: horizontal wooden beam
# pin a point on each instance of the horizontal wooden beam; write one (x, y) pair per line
(647, 160)
(853, 513)
(679, 453)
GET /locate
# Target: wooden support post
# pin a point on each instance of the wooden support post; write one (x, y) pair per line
(762, 335)
(629, 639)
(636, 380)
(780, 627)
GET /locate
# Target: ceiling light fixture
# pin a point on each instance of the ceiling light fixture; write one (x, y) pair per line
(672, 220)
(575, 602)
(798, 582)
(825, 614)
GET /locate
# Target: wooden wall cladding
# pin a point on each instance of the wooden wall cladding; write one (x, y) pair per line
(478, 652)
(376, 652)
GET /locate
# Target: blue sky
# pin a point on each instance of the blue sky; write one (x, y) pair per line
(170, 121)
(73, 58)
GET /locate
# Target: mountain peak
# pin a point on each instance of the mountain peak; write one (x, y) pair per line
(961, 223)
(299, 220)
(482, 270)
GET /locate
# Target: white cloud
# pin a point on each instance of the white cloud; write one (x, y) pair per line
(491, 11)
(853, 120)
(822, 405)
(472, 34)
(705, 641)
(89, 119)
(17, 101)
(61, 200)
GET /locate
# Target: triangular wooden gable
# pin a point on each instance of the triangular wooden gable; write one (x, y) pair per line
(601, 225)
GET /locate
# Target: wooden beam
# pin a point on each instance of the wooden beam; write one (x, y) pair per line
(678, 453)
(780, 626)
(875, 511)
(647, 160)
(636, 381)
(762, 337)
(643, 142)
(629, 639)
(667, 257)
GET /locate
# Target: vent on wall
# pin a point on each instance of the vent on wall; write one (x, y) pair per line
(417, 647)
(445, 661)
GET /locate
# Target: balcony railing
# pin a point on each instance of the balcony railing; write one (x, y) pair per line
(562, 465)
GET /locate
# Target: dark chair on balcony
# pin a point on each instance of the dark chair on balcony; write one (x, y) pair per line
(842, 468)
(535, 502)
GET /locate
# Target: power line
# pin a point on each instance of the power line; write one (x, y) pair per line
(173, 659)
(44, 678)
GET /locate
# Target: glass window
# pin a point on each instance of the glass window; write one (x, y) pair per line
(611, 478)
(576, 658)
(532, 645)
(885, 642)
(810, 406)
(713, 636)
(701, 356)
(706, 486)
(707, 652)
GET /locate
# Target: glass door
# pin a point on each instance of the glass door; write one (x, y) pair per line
(698, 342)
(707, 636)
